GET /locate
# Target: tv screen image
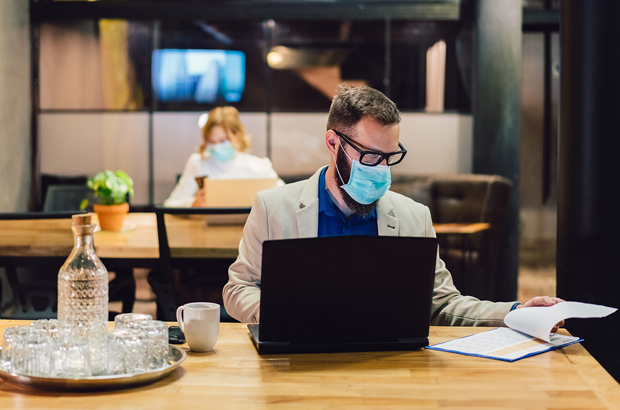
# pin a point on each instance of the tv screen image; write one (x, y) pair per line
(198, 76)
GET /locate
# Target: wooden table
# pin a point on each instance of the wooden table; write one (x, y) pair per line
(235, 376)
(458, 228)
(189, 238)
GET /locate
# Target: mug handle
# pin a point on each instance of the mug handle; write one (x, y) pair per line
(180, 318)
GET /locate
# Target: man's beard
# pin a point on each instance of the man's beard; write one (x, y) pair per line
(343, 165)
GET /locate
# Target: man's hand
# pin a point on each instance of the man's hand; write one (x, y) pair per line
(541, 301)
(544, 301)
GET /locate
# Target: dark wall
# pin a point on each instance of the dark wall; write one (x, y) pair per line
(588, 196)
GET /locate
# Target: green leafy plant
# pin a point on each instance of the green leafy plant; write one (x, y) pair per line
(111, 187)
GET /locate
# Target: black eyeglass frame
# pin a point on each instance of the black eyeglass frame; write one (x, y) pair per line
(383, 156)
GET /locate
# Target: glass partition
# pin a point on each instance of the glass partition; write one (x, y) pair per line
(280, 74)
(309, 59)
(94, 65)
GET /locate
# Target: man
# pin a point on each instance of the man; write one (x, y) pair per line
(351, 197)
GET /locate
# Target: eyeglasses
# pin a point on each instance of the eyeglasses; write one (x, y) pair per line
(372, 158)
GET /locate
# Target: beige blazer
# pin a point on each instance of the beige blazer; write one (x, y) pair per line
(292, 211)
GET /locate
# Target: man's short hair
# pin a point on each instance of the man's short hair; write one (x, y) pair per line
(351, 104)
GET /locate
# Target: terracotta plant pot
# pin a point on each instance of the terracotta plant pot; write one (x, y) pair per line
(111, 217)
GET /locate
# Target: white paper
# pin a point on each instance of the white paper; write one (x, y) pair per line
(538, 321)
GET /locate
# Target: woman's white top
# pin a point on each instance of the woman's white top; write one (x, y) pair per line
(242, 166)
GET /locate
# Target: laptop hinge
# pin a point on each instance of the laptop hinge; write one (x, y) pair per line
(277, 343)
(410, 340)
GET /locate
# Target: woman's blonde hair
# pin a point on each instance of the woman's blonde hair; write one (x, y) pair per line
(228, 118)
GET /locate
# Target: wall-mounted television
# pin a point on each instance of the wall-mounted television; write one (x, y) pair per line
(198, 76)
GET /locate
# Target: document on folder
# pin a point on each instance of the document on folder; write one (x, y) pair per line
(528, 332)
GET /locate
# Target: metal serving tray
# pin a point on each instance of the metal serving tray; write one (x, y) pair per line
(176, 356)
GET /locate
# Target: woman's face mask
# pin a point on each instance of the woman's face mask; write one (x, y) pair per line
(366, 183)
(223, 152)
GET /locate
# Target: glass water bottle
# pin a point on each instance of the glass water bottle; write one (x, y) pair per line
(83, 293)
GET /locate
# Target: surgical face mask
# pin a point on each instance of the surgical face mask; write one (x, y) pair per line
(366, 184)
(223, 152)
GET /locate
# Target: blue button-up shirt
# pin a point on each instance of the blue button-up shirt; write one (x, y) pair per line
(332, 222)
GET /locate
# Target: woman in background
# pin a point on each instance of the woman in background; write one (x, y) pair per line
(221, 156)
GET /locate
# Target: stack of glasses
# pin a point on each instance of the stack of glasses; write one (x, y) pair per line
(137, 344)
(48, 349)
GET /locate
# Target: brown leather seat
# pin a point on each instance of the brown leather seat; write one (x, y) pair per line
(465, 198)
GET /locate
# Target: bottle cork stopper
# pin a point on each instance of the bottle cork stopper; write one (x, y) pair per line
(81, 219)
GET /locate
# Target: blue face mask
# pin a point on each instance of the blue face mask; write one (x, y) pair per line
(223, 152)
(366, 184)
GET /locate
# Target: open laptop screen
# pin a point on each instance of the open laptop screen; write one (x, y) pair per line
(232, 193)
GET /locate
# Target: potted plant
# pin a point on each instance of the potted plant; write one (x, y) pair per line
(111, 189)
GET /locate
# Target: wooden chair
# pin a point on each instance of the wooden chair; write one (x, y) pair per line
(196, 278)
(67, 198)
(48, 180)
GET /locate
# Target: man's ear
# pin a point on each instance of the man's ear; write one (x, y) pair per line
(331, 140)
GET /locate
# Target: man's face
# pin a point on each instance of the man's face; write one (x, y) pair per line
(368, 135)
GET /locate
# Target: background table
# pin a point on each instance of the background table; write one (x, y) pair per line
(42, 246)
(189, 237)
(48, 242)
(464, 229)
(136, 245)
(235, 376)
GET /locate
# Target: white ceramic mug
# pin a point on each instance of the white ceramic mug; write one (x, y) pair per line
(200, 321)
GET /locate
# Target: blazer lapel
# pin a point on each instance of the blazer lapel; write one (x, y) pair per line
(387, 224)
(308, 220)
(308, 214)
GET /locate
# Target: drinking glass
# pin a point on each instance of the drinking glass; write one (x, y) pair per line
(46, 326)
(127, 352)
(70, 357)
(155, 336)
(8, 343)
(40, 325)
(31, 353)
(124, 320)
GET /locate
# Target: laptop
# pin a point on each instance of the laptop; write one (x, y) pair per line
(233, 193)
(345, 293)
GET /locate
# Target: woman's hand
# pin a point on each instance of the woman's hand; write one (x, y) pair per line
(199, 199)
